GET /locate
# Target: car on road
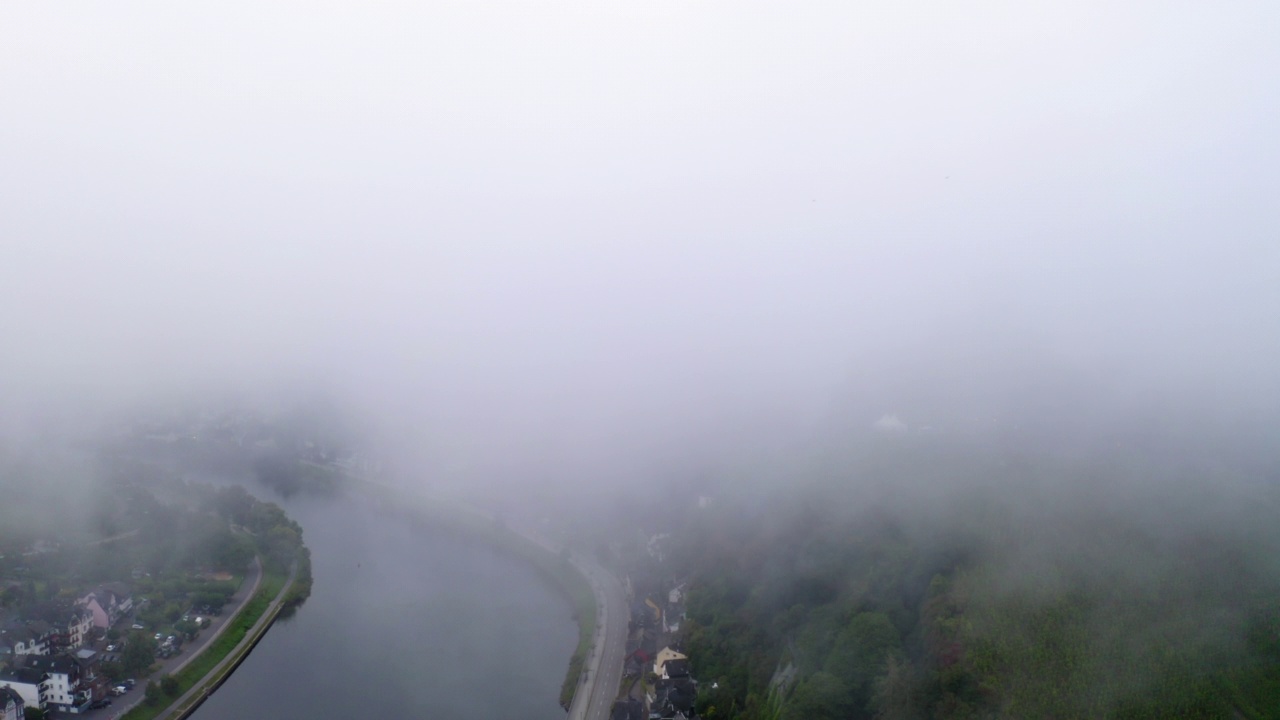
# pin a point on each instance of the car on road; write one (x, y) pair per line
(101, 703)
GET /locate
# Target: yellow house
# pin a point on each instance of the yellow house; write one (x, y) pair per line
(664, 655)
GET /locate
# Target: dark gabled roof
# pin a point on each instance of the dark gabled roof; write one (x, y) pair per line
(22, 676)
(16, 633)
(678, 693)
(112, 593)
(629, 709)
(8, 693)
(677, 668)
(54, 664)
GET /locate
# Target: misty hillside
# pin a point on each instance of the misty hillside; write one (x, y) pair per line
(923, 579)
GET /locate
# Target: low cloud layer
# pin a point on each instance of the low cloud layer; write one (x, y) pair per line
(575, 243)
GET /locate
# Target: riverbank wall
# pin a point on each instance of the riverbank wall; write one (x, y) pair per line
(229, 664)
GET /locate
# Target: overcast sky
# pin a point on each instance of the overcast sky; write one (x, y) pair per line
(538, 231)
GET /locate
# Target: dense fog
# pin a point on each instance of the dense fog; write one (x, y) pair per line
(913, 359)
(572, 247)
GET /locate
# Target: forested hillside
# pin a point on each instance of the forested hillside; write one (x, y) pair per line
(916, 578)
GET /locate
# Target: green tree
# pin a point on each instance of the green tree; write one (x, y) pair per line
(172, 611)
(897, 695)
(188, 628)
(231, 552)
(860, 651)
(281, 544)
(822, 697)
(112, 670)
(139, 653)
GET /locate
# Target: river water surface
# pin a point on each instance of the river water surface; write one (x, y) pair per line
(404, 622)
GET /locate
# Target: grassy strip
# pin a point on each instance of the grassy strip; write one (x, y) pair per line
(585, 611)
(239, 626)
(215, 678)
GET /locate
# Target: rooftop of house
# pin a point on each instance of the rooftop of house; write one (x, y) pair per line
(16, 633)
(21, 676)
(666, 655)
(629, 709)
(9, 695)
(57, 612)
(678, 693)
(53, 664)
(676, 668)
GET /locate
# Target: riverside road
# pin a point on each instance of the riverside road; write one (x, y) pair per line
(599, 688)
(599, 685)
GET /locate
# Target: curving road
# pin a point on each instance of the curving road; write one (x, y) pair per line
(233, 659)
(192, 650)
(600, 685)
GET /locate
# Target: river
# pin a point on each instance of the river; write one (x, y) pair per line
(404, 622)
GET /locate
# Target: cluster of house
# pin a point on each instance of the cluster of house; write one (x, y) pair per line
(672, 694)
(47, 662)
(675, 690)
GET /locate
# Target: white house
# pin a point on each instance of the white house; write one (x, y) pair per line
(79, 622)
(30, 639)
(27, 683)
(664, 655)
(63, 689)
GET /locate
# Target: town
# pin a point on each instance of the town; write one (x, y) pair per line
(61, 655)
(85, 624)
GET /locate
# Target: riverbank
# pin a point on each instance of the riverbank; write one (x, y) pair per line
(554, 567)
(204, 673)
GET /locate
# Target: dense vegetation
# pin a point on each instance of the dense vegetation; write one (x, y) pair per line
(927, 580)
